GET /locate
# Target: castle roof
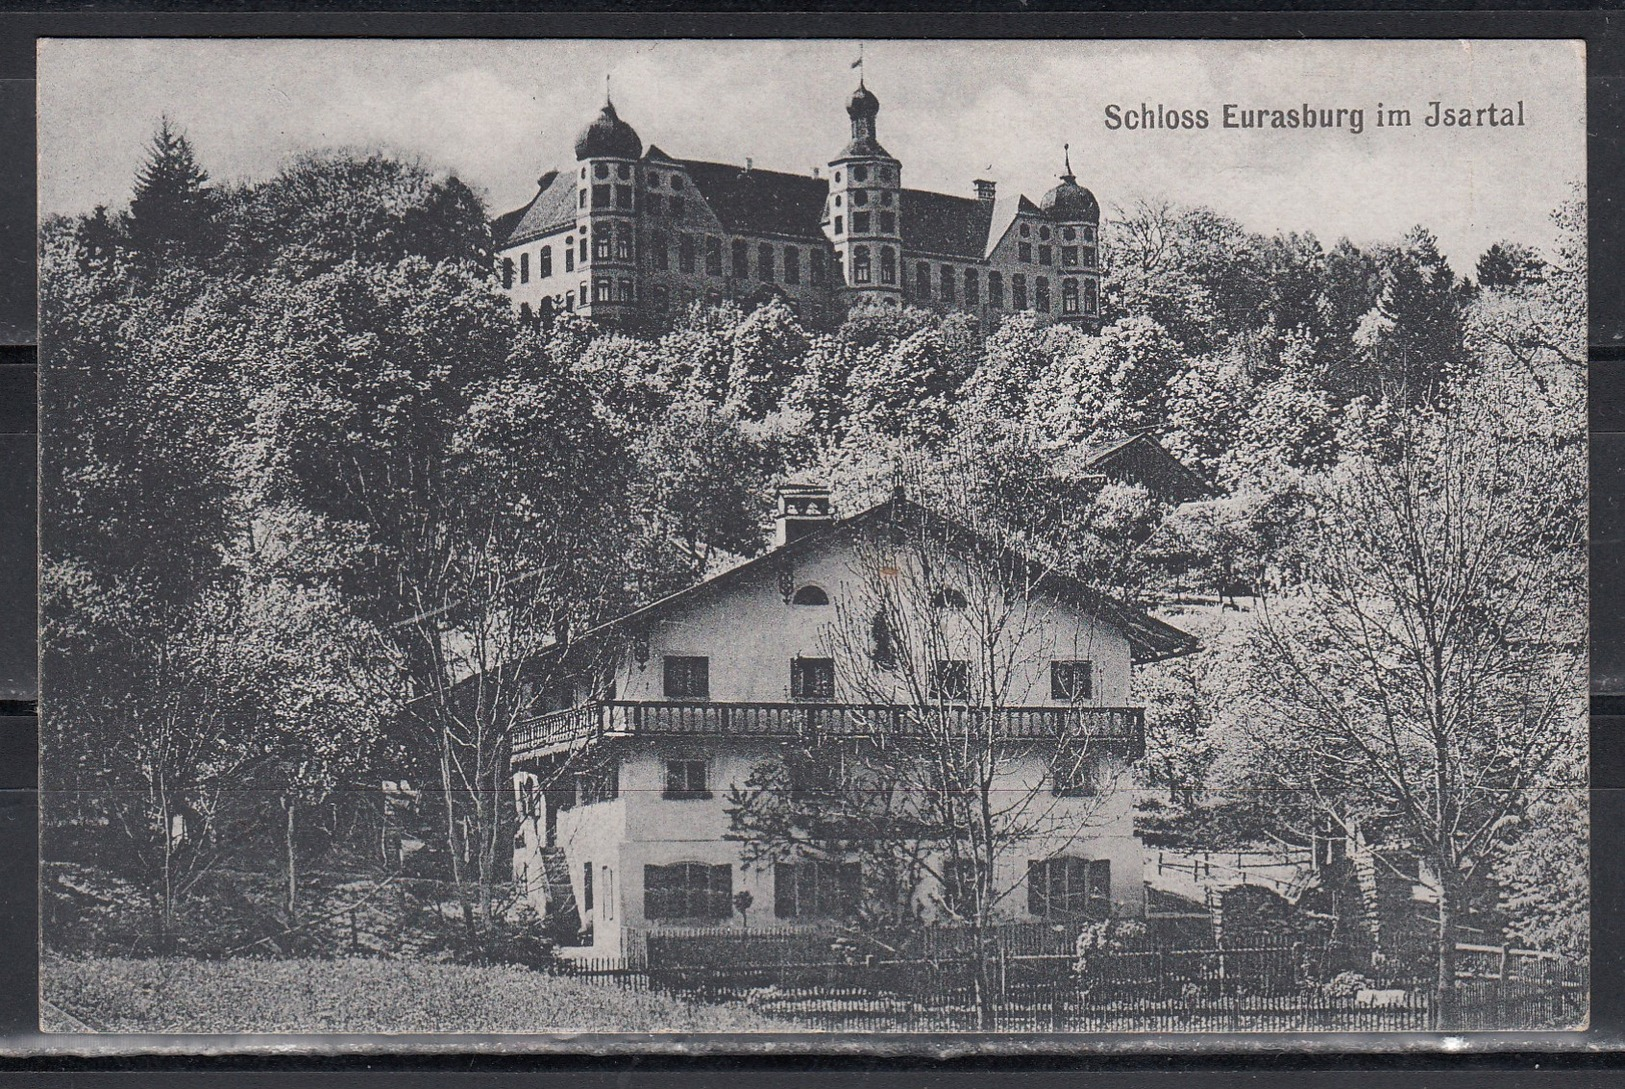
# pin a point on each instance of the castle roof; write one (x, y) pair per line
(761, 201)
(941, 224)
(553, 206)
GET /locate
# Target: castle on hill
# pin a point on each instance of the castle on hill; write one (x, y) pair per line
(631, 235)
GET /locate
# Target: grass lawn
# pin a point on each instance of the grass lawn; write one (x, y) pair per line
(112, 994)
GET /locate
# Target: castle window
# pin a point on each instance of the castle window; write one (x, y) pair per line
(569, 300)
(547, 262)
(1018, 292)
(860, 197)
(792, 265)
(713, 256)
(653, 181)
(507, 272)
(888, 222)
(837, 200)
(1043, 255)
(583, 255)
(995, 289)
(812, 678)
(837, 224)
(524, 268)
(885, 198)
(1069, 296)
(685, 253)
(677, 182)
(860, 264)
(1088, 234)
(817, 270)
(1043, 234)
(1088, 257)
(603, 290)
(764, 261)
(860, 222)
(972, 288)
(600, 170)
(837, 175)
(1091, 297)
(860, 173)
(623, 242)
(603, 241)
(741, 259)
(526, 315)
(945, 281)
(1041, 295)
(623, 196)
(623, 171)
(662, 297)
(659, 252)
(1069, 234)
(1069, 257)
(569, 258)
(810, 595)
(922, 280)
(583, 293)
(600, 196)
(626, 291)
(651, 203)
(1026, 230)
(581, 199)
(888, 265)
(674, 206)
(1024, 252)
(583, 172)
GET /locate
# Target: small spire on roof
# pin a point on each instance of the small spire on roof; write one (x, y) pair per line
(607, 100)
(1066, 152)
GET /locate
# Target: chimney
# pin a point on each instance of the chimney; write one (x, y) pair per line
(748, 165)
(984, 189)
(802, 509)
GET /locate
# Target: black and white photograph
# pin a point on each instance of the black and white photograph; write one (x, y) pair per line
(820, 538)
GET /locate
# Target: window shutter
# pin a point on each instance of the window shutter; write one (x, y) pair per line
(1037, 898)
(784, 890)
(656, 904)
(1100, 883)
(851, 874)
(722, 891)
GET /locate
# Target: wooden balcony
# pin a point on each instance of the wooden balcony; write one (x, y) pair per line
(1122, 728)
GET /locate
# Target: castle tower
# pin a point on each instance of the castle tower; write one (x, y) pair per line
(608, 151)
(863, 213)
(1075, 213)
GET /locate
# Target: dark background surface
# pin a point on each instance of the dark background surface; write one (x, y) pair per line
(18, 731)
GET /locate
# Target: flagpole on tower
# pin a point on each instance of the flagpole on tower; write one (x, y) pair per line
(858, 64)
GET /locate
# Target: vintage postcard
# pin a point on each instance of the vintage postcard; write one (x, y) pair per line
(813, 537)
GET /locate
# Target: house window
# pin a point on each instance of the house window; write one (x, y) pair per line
(792, 265)
(945, 280)
(547, 262)
(741, 259)
(507, 272)
(1072, 775)
(1041, 295)
(1069, 296)
(688, 890)
(837, 224)
(1069, 886)
(600, 196)
(685, 253)
(713, 256)
(1071, 680)
(888, 222)
(810, 595)
(659, 252)
(602, 242)
(1043, 255)
(1091, 297)
(882, 646)
(812, 678)
(599, 784)
(995, 289)
(860, 264)
(1069, 257)
(685, 780)
(860, 222)
(687, 677)
(1024, 252)
(815, 889)
(817, 268)
(524, 268)
(569, 258)
(972, 288)
(764, 261)
(948, 598)
(888, 265)
(948, 679)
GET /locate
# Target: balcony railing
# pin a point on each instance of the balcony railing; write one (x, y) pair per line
(574, 727)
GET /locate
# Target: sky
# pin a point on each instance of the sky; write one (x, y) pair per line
(499, 113)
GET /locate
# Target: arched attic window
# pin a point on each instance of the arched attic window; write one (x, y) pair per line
(810, 595)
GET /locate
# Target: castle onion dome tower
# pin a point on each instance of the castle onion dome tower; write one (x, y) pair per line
(608, 202)
(607, 136)
(1076, 215)
(863, 214)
